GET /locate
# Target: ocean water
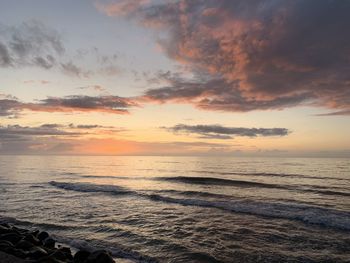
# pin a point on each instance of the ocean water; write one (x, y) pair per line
(185, 209)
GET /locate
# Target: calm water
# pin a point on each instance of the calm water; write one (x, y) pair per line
(185, 209)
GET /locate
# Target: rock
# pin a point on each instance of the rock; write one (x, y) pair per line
(49, 243)
(5, 225)
(4, 230)
(14, 251)
(24, 244)
(58, 255)
(32, 239)
(36, 253)
(6, 243)
(4, 247)
(6, 258)
(81, 256)
(12, 237)
(50, 260)
(20, 231)
(43, 235)
(100, 256)
(67, 252)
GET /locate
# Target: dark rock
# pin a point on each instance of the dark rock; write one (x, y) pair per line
(12, 237)
(67, 252)
(6, 243)
(35, 233)
(32, 239)
(58, 255)
(5, 225)
(100, 256)
(49, 243)
(4, 230)
(36, 253)
(7, 258)
(81, 256)
(20, 231)
(42, 236)
(50, 259)
(14, 251)
(4, 247)
(24, 244)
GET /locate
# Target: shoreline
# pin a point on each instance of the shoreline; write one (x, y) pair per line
(19, 245)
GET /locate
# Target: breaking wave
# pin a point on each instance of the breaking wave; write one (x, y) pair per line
(291, 211)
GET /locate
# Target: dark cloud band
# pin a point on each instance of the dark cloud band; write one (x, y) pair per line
(11, 107)
(221, 132)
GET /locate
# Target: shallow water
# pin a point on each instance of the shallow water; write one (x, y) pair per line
(185, 209)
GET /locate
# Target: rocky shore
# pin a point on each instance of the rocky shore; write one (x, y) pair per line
(18, 245)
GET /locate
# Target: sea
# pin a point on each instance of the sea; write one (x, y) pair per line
(184, 209)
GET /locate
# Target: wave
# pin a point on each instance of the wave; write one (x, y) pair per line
(193, 193)
(218, 181)
(305, 213)
(247, 184)
(273, 175)
(87, 187)
(260, 174)
(231, 182)
(292, 211)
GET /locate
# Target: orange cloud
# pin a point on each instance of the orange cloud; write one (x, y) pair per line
(258, 55)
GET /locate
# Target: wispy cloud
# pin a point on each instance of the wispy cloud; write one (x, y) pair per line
(34, 44)
(30, 43)
(222, 132)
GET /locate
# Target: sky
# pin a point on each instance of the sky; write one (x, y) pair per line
(175, 77)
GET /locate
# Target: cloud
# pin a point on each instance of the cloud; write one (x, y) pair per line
(217, 94)
(109, 104)
(121, 7)
(88, 126)
(335, 113)
(95, 88)
(30, 43)
(79, 126)
(31, 81)
(18, 132)
(73, 70)
(5, 58)
(51, 125)
(250, 55)
(93, 126)
(221, 132)
(48, 138)
(34, 44)
(36, 145)
(11, 107)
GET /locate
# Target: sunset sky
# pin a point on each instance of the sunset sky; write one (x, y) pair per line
(168, 77)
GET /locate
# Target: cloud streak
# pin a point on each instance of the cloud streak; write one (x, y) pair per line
(221, 132)
(250, 55)
(11, 107)
(23, 133)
